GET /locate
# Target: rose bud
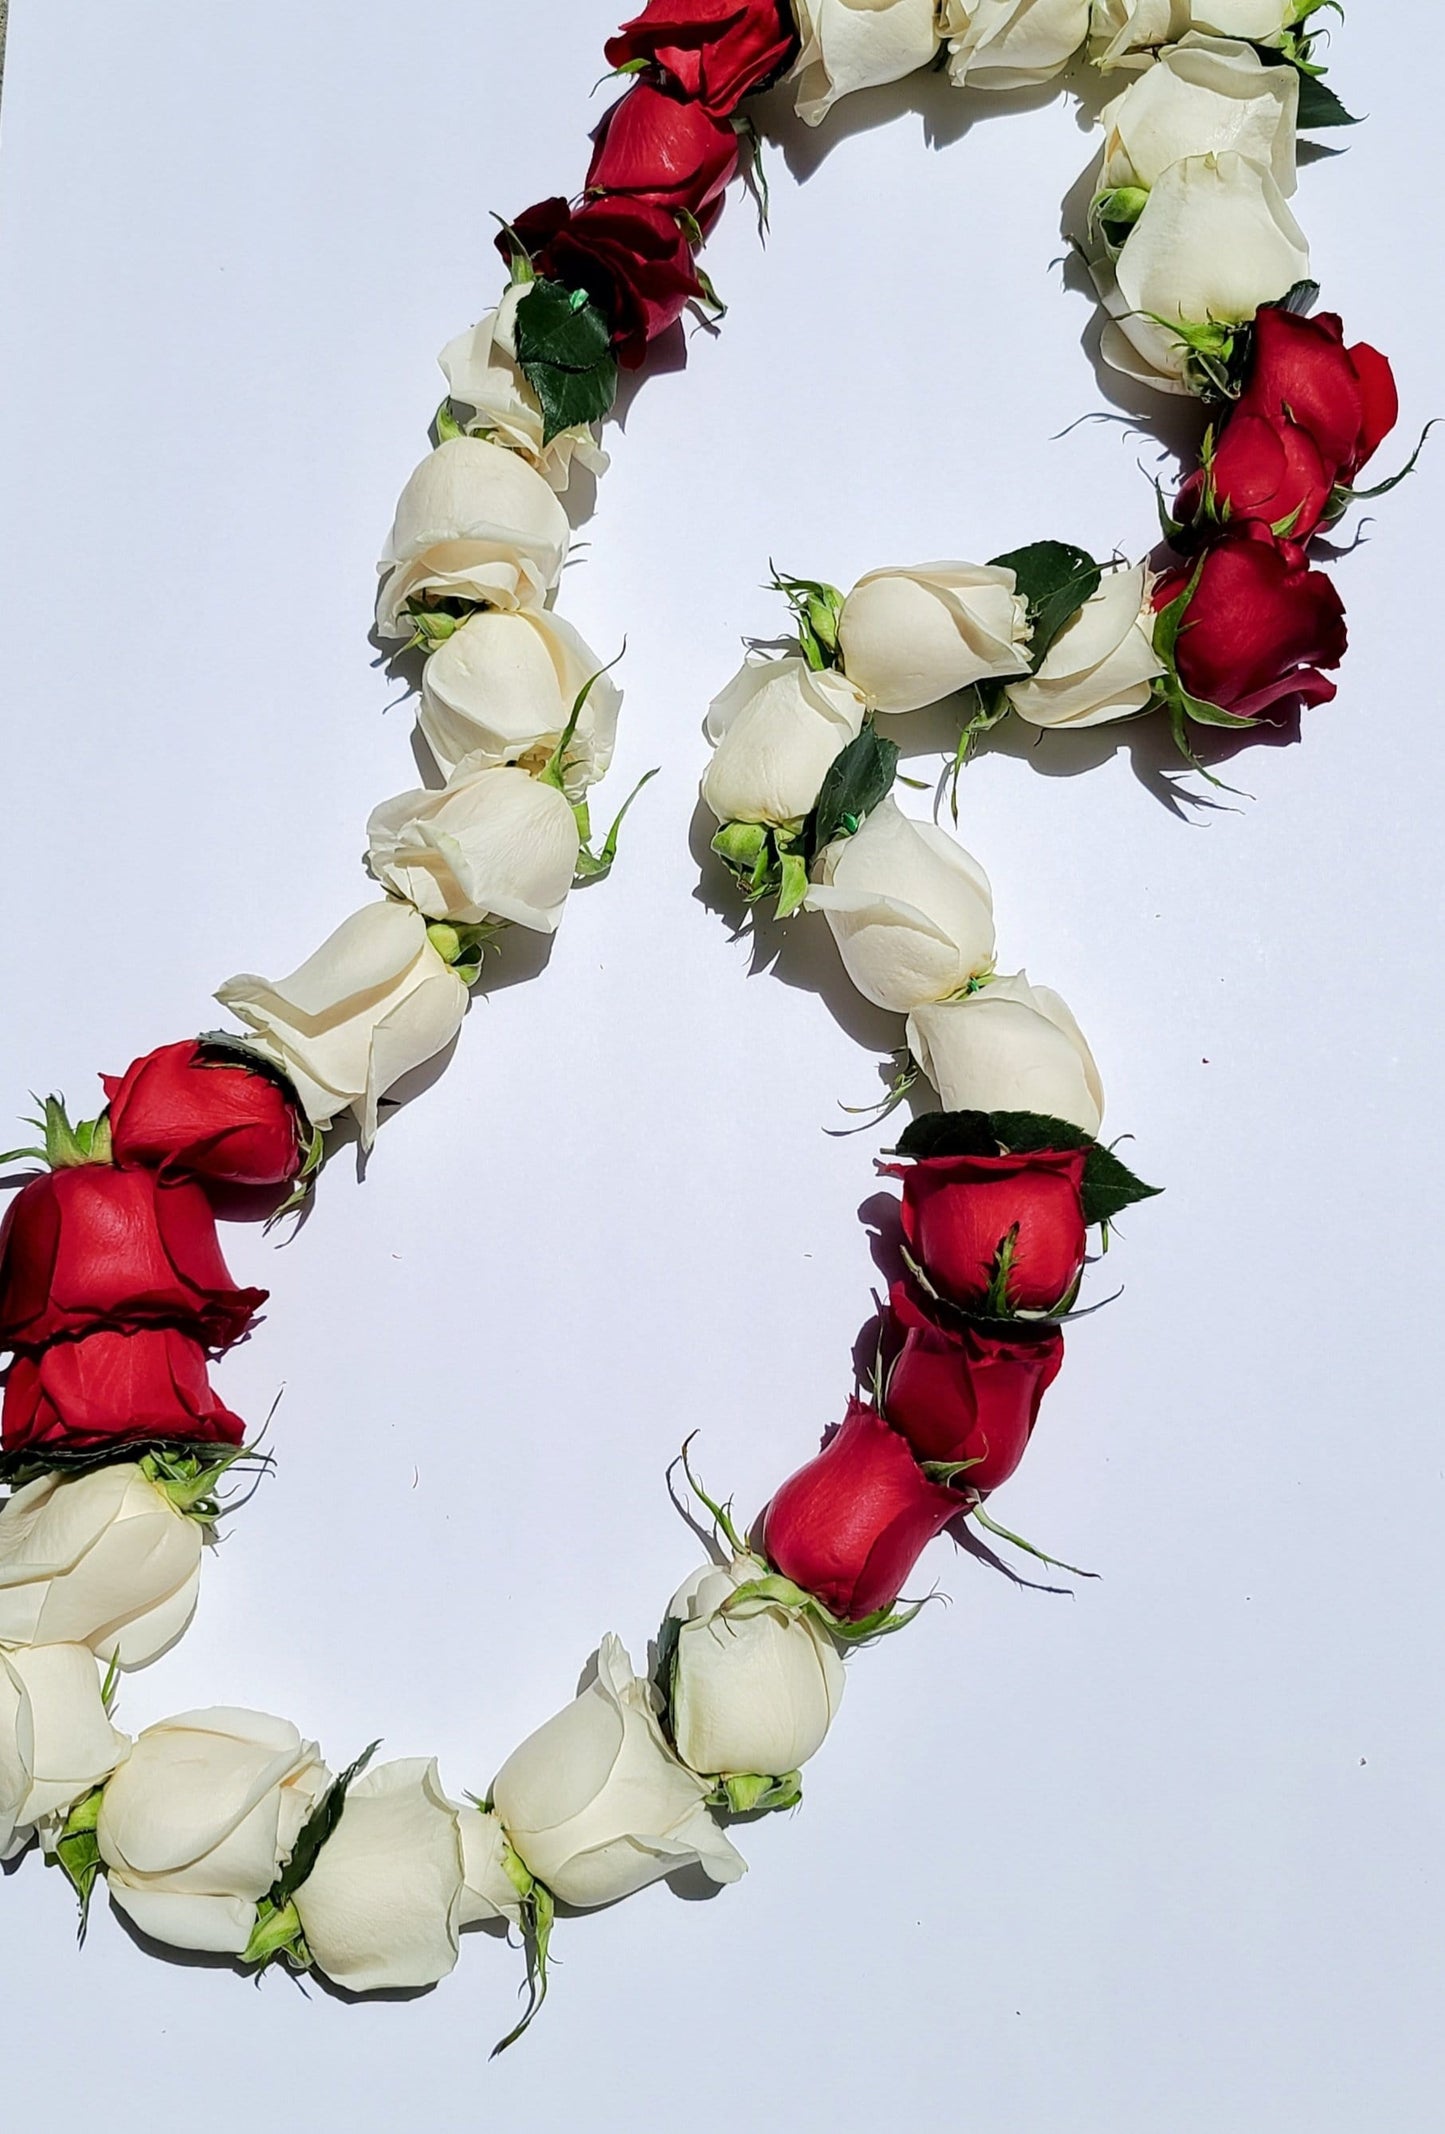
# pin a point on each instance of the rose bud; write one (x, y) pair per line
(657, 147)
(962, 1215)
(631, 257)
(96, 1248)
(966, 1395)
(715, 51)
(183, 1110)
(1260, 624)
(104, 1559)
(56, 1740)
(849, 1527)
(115, 1389)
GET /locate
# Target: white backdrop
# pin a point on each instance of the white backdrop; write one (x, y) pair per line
(1163, 1855)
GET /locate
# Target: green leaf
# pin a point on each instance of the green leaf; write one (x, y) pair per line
(856, 781)
(318, 1828)
(1055, 578)
(1109, 1185)
(1319, 106)
(565, 353)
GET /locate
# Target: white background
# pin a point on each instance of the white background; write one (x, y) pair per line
(1163, 1855)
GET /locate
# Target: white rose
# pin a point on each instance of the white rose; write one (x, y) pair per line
(1011, 44)
(1214, 242)
(56, 1740)
(502, 687)
(912, 637)
(492, 844)
(1122, 32)
(595, 1803)
(1102, 664)
(104, 1560)
(475, 522)
(857, 44)
(776, 729)
(402, 1873)
(482, 373)
(373, 1002)
(1205, 97)
(910, 910)
(755, 1692)
(201, 1818)
(1010, 1047)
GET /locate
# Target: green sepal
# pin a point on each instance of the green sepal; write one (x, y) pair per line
(816, 607)
(539, 1916)
(1170, 690)
(1055, 578)
(773, 1590)
(793, 885)
(190, 1479)
(77, 1850)
(1017, 1541)
(1114, 213)
(857, 780)
(1342, 498)
(445, 425)
(593, 866)
(564, 350)
(278, 1923)
(754, 1794)
(1109, 1185)
(722, 1517)
(64, 1147)
(277, 1934)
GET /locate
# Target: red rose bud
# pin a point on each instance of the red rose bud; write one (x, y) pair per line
(849, 1527)
(112, 1389)
(178, 1111)
(653, 146)
(93, 1248)
(1260, 624)
(963, 1216)
(630, 256)
(965, 1395)
(716, 51)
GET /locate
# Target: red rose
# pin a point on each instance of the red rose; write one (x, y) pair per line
(1260, 623)
(716, 51)
(849, 1527)
(94, 1247)
(965, 1395)
(959, 1213)
(178, 1111)
(112, 1389)
(652, 146)
(631, 258)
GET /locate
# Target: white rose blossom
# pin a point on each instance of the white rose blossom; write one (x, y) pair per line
(775, 729)
(483, 374)
(56, 1740)
(1123, 33)
(595, 1803)
(1011, 44)
(494, 843)
(104, 1559)
(911, 637)
(201, 1818)
(753, 1692)
(1204, 97)
(1102, 665)
(474, 522)
(1010, 1047)
(402, 1873)
(374, 1001)
(501, 689)
(910, 910)
(858, 44)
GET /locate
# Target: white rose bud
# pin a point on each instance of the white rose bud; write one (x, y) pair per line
(1011, 44)
(1203, 98)
(394, 1883)
(501, 690)
(910, 910)
(776, 729)
(483, 374)
(595, 1803)
(754, 1692)
(475, 522)
(374, 1001)
(1102, 664)
(858, 44)
(1011, 1047)
(56, 1740)
(912, 637)
(103, 1560)
(492, 844)
(201, 1818)
(1123, 32)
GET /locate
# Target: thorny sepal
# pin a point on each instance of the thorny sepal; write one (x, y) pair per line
(817, 607)
(77, 1851)
(539, 1915)
(1017, 1541)
(772, 1590)
(190, 1481)
(754, 1793)
(64, 1147)
(722, 1514)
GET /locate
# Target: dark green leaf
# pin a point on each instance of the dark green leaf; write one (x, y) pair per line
(1055, 578)
(319, 1827)
(564, 349)
(856, 781)
(1109, 1185)
(1319, 106)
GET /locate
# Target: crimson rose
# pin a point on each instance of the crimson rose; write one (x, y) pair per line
(114, 1388)
(630, 256)
(716, 51)
(178, 1111)
(960, 1213)
(1260, 624)
(965, 1395)
(652, 146)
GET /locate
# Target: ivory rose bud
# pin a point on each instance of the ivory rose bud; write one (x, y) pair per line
(755, 1691)
(1102, 665)
(104, 1560)
(911, 637)
(402, 1873)
(910, 910)
(373, 1002)
(56, 1742)
(475, 522)
(1204, 97)
(201, 1818)
(595, 1803)
(483, 374)
(1011, 1047)
(501, 690)
(1011, 44)
(776, 729)
(492, 844)
(1124, 32)
(857, 44)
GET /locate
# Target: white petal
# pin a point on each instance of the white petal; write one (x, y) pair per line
(1010, 1047)
(912, 637)
(380, 1908)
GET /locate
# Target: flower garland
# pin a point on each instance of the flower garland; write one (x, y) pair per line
(224, 1830)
